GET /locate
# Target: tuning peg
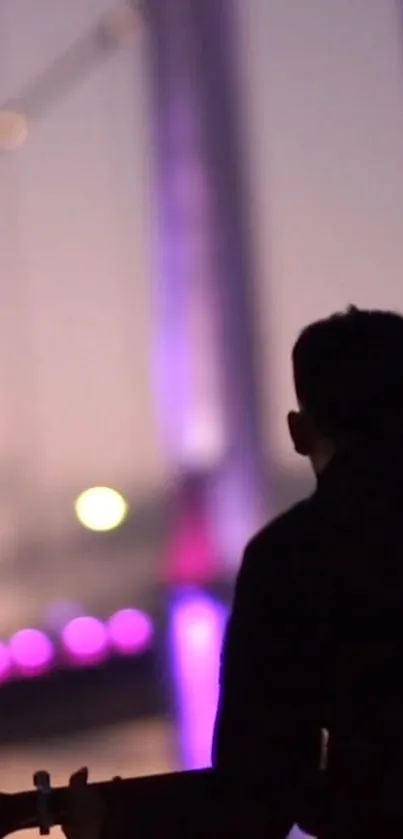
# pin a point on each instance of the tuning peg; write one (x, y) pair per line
(44, 789)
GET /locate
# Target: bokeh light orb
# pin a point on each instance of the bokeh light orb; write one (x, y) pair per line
(200, 621)
(31, 651)
(130, 631)
(13, 130)
(101, 509)
(85, 640)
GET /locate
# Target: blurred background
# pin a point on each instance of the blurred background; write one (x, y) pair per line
(183, 186)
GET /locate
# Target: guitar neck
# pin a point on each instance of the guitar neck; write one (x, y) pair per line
(132, 795)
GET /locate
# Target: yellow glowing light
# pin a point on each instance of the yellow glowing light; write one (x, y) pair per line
(101, 509)
(13, 130)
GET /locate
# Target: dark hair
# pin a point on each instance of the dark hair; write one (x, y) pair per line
(348, 372)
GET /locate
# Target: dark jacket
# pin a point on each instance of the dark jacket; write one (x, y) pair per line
(315, 641)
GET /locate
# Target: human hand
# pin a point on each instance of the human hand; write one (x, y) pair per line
(85, 812)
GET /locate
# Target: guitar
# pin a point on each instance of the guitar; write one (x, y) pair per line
(188, 805)
(45, 806)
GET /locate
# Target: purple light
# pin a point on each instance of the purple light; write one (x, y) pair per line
(5, 662)
(130, 631)
(236, 511)
(31, 651)
(85, 640)
(296, 833)
(197, 627)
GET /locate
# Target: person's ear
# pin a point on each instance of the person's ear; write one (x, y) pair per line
(300, 432)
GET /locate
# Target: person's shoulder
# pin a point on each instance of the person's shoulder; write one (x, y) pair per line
(282, 544)
(289, 526)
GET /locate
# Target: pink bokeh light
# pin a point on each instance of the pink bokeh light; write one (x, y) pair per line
(197, 628)
(31, 651)
(130, 631)
(85, 640)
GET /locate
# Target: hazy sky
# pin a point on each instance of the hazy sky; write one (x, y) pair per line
(323, 106)
(324, 125)
(74, 245)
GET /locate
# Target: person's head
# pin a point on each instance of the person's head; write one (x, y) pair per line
(348, 375)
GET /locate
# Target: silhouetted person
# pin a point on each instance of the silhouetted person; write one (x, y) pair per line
(315, 638)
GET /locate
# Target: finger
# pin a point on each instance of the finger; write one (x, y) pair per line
(78, 791)
(80, 803)
(79, 779)
(84, 816)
